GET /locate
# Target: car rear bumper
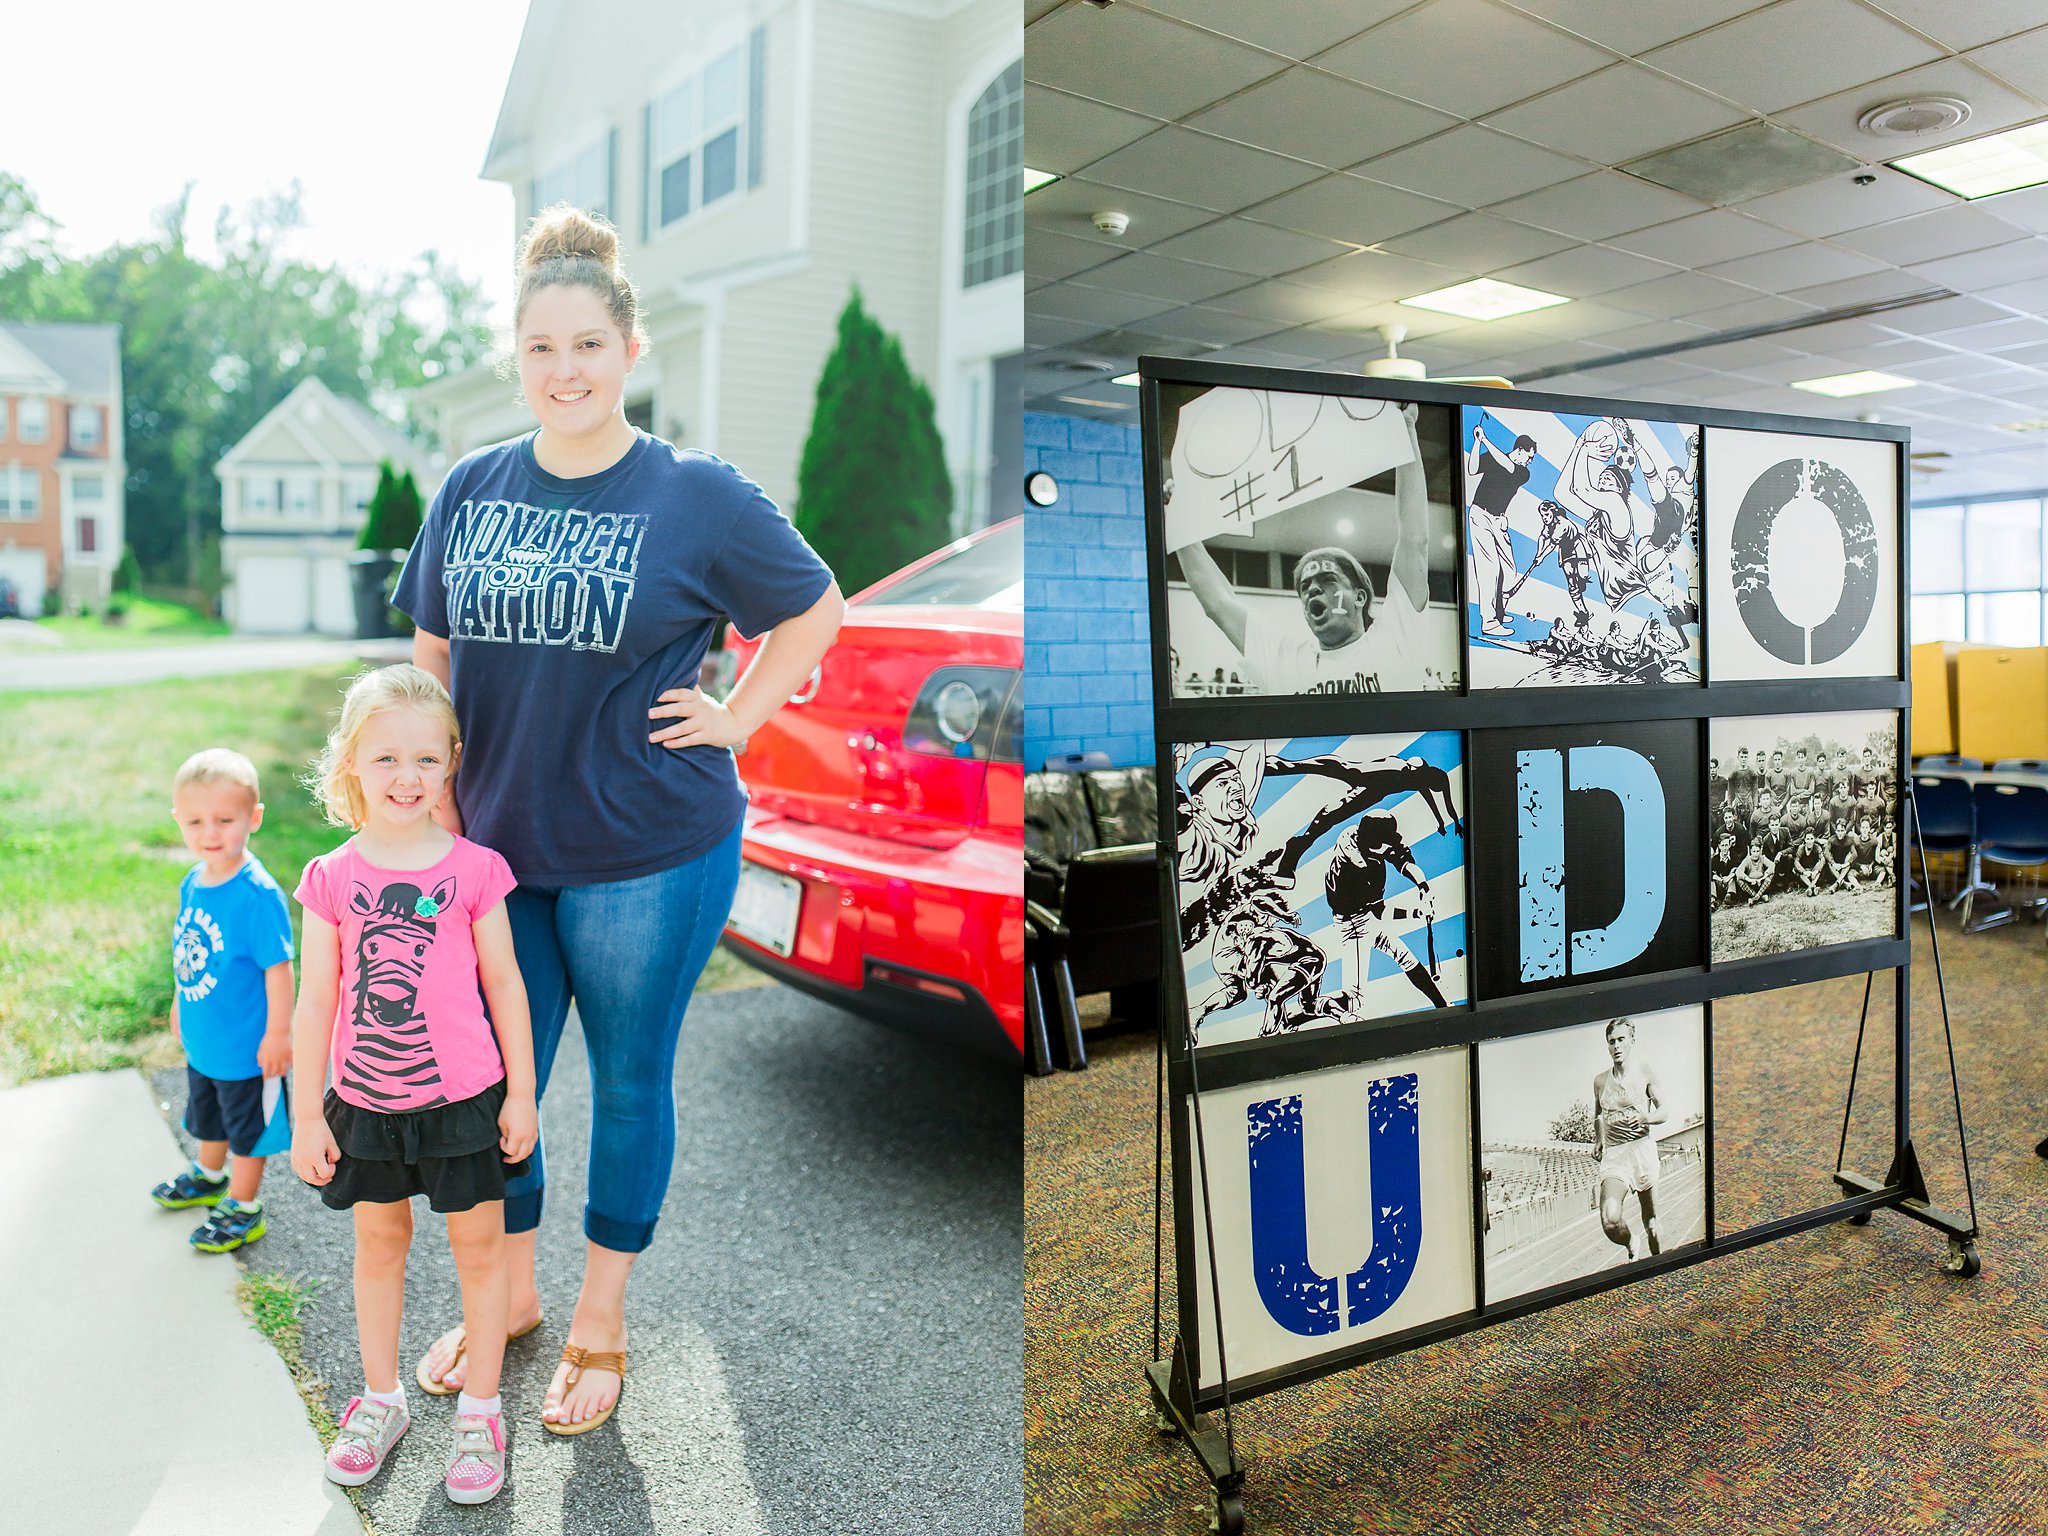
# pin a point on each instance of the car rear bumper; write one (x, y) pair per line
(898, 932)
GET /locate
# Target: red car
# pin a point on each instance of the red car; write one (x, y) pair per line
(883, 857)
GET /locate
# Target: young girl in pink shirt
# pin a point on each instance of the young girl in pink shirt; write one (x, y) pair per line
(406, 943)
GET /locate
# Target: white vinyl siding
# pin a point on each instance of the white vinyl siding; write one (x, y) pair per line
(583, 179)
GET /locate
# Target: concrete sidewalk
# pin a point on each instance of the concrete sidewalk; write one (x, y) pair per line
(144, 1401)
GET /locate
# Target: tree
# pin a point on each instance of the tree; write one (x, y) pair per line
(394, 517)
(873, 493)
(1575, 1124)
(127, 575)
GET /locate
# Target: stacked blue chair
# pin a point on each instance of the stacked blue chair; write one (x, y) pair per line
(2021, 765)
(1949, 764)
(1945, 821)
(2012, 829)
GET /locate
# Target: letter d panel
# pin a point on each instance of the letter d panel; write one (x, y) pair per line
(1342, 1207)
(1584, 855)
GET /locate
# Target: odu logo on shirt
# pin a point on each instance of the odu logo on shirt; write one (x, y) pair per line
(198, 941)
(539, 575)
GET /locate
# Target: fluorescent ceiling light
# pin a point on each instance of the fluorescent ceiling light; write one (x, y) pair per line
(1867, 382)
(1033, 180)
(1485, 299)
(1130, 379)
(1998, 162)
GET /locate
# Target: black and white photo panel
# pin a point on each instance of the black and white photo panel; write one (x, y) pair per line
(1342, 1203)
(1321, 881)
(1803, 839)
(1803, 551)
(1592, 1148)
(1582, 537)
(1311, 543)
(1586, 853)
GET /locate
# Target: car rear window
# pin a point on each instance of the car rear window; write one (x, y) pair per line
(986, 574)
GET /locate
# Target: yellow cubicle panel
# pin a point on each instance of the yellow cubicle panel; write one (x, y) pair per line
(1934, 701)
(2002, 702)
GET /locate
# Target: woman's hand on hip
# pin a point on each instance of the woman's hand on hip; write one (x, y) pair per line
(699, 721)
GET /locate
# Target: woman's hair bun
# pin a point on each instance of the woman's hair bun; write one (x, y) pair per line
(562, 231)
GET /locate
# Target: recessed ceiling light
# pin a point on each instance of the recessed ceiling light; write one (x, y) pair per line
(1130, 379)
(1915, 117)
(1033, 180)
(1839, 385)
(1998, 162)
(1484, 299)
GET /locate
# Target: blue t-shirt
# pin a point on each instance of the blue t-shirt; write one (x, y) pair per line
(569, 607)
(226, 937)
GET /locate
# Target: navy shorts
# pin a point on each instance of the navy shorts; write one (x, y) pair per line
(251, 1114)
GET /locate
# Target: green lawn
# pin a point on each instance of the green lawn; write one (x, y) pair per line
(90, 860)
(148, 622)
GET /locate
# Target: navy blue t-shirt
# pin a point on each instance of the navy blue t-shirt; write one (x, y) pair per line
(569, 606)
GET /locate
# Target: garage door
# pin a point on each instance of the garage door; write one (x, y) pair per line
(334, 601)
(273, 594)
(25, 569)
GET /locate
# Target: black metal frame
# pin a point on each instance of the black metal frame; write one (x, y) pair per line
(1175, 1376)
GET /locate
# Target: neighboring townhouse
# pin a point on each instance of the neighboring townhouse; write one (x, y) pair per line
(63, 475)
(760, 160)
(294, 492)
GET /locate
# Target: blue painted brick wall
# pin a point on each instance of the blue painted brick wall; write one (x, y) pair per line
(1087, 653)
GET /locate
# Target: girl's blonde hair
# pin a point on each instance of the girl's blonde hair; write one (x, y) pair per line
(401, 687)
(564, 244)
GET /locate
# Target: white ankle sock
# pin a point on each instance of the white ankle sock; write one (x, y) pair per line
(211, 1175)
(394, 1399)
(483, 1407)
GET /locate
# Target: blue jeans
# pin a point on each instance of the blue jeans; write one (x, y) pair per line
(628, 952)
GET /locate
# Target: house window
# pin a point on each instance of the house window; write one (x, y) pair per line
(995, 180)
(359, 490)
(88, 490)
(85, 426)
(703, 136)
(301, 494)
(32, 419)
(583, 180)
(21, 493)
(259, 493)
(88, 535)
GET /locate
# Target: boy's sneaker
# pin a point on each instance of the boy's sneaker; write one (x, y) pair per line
(476, 1464)
(368, 1431)
(232, 1225)
(188, 1189)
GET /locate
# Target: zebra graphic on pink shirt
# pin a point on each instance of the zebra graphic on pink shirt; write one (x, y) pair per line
(390, 1058)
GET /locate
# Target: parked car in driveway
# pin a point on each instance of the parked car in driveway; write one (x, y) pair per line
(883, 857)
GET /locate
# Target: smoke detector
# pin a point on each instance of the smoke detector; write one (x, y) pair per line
(1916, 117)
(1110, 221)
(1393, 365)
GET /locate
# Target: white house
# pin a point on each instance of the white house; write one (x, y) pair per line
(761, 158)
(294, 492)
(63, 472)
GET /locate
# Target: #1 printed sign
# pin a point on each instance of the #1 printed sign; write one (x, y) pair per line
(1321, 880)
(1375, 1161)
(1803, 548)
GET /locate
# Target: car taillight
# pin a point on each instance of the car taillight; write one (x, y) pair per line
(961, 712)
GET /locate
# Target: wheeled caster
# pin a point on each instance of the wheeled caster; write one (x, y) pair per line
(1227, 1518)
(1963, 1259)
(1860, 1219)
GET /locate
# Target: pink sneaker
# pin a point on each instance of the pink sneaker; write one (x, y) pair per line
(368, 1431)
(476, 1464)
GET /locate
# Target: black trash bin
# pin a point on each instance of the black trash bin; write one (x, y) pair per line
(370, 571)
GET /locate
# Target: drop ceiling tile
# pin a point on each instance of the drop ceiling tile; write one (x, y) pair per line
(1828, 207)
(1033, 9)
(1324, 346)
(1993, 106)
(1944, 315)
(1794, 52)
(1353, 209)
(1765, 309)
(1584, 271)
(1063, 133)
(1929, 236)
(1717, 235)
(1595, 207)
(1043, 331)
(1254, 249)
(1630, 26)
(2021, 62)
(1472, 166)
(1478, 243)
(1839, 337)
(1050, 255)
(2028, 297)
(1182, 281)
(1960, 370)
(1739, 356)
(1376, 275)
(1319, 118)
(1996, 268)
(1868, 289)
(1208, 325)
(1679, 293)
(1189, 167)
(1418, 323)
(1797, 266)
(1891, 356)
(1100, 307)
(1132, 58)
(1066, 207)
(1285, 303)
(2001, 336)
(1617, 114)
(2027, 208)
(1556, 354)
(1463, 56)
(1299, 29)
(1640, 335)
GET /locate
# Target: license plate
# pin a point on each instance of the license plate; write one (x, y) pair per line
(765, 908)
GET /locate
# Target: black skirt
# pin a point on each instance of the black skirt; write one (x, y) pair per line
(448, 1153)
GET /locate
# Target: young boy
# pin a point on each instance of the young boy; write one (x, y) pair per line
(232, 1006)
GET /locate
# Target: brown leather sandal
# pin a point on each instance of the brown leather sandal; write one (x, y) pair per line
(460, 1336)
(596, 1359)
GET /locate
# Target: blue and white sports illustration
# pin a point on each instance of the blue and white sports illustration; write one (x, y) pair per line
(1582, 538)
(1322, 881)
